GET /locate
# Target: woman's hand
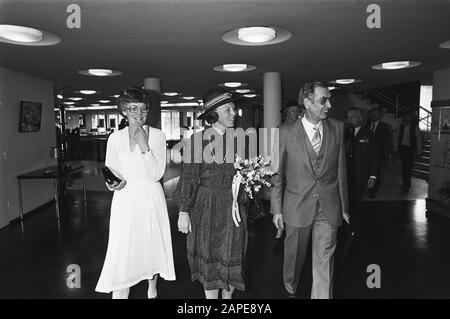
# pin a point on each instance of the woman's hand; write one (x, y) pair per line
(141, 139)
(117, 186)
(184, 223)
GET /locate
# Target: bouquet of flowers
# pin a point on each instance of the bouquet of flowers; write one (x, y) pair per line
(251, 175)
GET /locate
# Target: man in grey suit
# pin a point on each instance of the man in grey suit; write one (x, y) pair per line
(312, 153)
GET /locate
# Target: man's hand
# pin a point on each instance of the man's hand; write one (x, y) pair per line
(346, 217)
(117, 186)
(184, 223)
(278, 221)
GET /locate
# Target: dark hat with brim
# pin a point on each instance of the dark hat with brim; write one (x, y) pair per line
(215, 98)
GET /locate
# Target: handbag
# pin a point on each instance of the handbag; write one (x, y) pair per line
(109, 176)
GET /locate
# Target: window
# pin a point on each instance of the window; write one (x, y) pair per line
(170, 124)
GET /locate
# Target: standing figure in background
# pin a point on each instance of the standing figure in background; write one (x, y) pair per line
(140, 242)
(409, 146)
(363, 162)
(291, 112)
(312, 152)
(384, 145)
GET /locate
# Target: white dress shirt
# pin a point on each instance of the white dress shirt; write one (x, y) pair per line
(309, 128)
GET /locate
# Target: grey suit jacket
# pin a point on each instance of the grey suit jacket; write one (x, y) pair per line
(303, 187)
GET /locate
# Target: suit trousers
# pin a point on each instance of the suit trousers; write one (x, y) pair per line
(407, 156)
(323, 247)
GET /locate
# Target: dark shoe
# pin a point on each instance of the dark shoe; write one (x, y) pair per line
(288, 295)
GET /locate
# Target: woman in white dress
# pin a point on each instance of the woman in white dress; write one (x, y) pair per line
(140, 244)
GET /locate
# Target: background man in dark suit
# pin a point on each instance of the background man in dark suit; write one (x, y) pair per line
(384, 141)
(409, 145)
(363, 161)
(312, 153)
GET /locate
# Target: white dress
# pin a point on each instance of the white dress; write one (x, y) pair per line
(140, 243)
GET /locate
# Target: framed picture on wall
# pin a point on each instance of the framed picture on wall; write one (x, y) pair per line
(30, 116)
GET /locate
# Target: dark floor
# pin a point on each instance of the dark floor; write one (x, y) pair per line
(412, 251)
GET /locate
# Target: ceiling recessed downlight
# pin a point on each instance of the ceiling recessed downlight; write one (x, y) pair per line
(69, 103)
(75, 98)
(188, 97)
(170, 94)
(59, 96)
(243, 91)
(345, 81)
(250, 95)
(257, 34)
(100, 72)
(20, 34)
(236, 67)
(233, 84)
(116, 96)
(88, 92)
(104, 101)
(395, 65)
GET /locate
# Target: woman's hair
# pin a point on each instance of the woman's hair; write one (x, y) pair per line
(212, 117)
(133, 95)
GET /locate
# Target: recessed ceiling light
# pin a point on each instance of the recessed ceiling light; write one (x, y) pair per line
(59, 96)
(345, 81)
(116, 96)
(104, 101)
(240, 112)
(445, 45)
(170, 93)
(237, 67)
(188, 97)
(249, 95)
(88, 92)
(69, 103)
(75, 98)
(100, 72)
(243, 91)
(95, 104)
(395, 65)
(257, 34)
(20, 34)
(331, 88)
(164, 102)
(232, 84)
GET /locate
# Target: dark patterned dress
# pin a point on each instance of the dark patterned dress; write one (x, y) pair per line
(216, 247)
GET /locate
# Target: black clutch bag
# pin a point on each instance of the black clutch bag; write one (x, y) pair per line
(109, 176)
(255, 208)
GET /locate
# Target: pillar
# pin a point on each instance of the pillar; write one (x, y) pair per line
(153, 86)
(272, 99)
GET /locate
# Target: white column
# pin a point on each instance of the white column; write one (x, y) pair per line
(153, 86)
(272, 99)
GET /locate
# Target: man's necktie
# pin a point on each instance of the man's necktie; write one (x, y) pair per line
(316, 140)
(373, 127)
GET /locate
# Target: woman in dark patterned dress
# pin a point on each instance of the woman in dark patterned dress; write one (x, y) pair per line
(215, 245)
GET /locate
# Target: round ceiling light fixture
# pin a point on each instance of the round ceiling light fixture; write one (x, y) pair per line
(188, 97)
(396, 65)
(257, 35)
(236, 67)
(99, 72)
(445, 45)
(243, 91)
(59, 96)
(69, 103)
(345, 81)
(104, 101)
(20, 35)
(250, 95)
(75, 98)
(170, 94)
(233, 84)
(88, 92)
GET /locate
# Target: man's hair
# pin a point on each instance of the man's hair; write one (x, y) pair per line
(375, 109)
(307, 90)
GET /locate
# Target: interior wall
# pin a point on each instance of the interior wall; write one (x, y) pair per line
(25, 152)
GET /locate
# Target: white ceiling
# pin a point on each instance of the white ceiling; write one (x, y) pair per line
(180, 42)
